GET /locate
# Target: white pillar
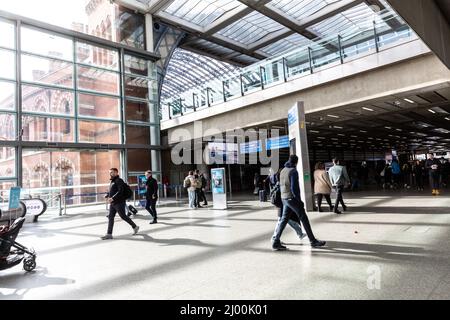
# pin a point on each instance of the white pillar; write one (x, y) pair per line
(299, 141)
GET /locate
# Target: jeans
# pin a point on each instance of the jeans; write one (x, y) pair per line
(434, 180)
(118, 208)
(150, 206)
(297, 207)
(191, 198)
(339, 198)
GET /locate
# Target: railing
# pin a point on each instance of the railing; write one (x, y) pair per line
(387, 30)
(60, 198)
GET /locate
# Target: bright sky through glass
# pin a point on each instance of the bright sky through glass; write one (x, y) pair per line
(58, 12)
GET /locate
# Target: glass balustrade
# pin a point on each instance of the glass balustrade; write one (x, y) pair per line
(387, 30)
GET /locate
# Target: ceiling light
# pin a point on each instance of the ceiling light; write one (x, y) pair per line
(368, 109)
(409, 100)
(448, 119)
(389, 128)
(432, 111)
(362, 131)
(337, 127)
(333, 116)
(314, 131)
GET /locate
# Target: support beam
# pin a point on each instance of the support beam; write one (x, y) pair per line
(302, 25)
(227, 19)
(217, 39)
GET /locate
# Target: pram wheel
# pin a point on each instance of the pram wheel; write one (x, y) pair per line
(29, 264)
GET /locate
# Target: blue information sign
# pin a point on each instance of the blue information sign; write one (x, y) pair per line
(250, 147)
(277, 143)
(14, 198)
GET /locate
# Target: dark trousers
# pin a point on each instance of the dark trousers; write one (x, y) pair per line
(202, 197)
(150, 206)
(118, 208)
(197, 197)
(434, 180)
(289, 206)
(320, 197)
(339, 198)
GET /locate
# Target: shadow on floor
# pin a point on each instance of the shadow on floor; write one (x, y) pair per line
(400, 210)
(21, 282)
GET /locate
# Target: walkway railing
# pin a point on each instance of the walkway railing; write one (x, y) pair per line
(386, 31)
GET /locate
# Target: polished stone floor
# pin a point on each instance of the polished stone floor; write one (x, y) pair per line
(387, 246)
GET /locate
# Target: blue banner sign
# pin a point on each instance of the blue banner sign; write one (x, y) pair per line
(277, 143)
(250, 147)
(14, 198)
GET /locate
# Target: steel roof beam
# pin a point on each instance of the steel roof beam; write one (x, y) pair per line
(301, 26)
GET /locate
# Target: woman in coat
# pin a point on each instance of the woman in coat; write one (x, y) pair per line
(322, 186)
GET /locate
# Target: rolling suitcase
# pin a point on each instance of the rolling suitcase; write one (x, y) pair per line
(262, 196)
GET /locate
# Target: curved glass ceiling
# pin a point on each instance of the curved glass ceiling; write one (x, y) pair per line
(243, 32)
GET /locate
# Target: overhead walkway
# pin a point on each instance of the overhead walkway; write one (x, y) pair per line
(379, 61)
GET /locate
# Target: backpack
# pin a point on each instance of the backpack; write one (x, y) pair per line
(127, 192)
(275, 196)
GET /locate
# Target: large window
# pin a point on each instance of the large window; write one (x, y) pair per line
(100, 18)
(70, 94)
(74, 170)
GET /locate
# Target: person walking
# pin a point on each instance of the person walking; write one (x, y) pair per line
(293, 222)
(292, 203)
(339, 179)
(191, 184)
(322, 186)
(117, 200)
(433, 166)
(151, 196)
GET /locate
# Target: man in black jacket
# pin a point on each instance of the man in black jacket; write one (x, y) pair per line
(151, 195)
(117, 203)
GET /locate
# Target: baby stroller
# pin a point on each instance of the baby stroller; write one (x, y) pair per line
(10, 258)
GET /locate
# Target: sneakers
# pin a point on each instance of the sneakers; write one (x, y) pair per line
(153, 221)
(107, 237)
(279, 247)
(135, 230)
(317, 243)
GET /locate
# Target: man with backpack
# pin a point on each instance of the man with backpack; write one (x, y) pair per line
(117, 195)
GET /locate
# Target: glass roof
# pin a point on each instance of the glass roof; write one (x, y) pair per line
(188, 70)
(242, 32)
(251, 28)
(302, 8)
(201, 12)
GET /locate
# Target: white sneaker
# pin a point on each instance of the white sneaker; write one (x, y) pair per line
(135, 230)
